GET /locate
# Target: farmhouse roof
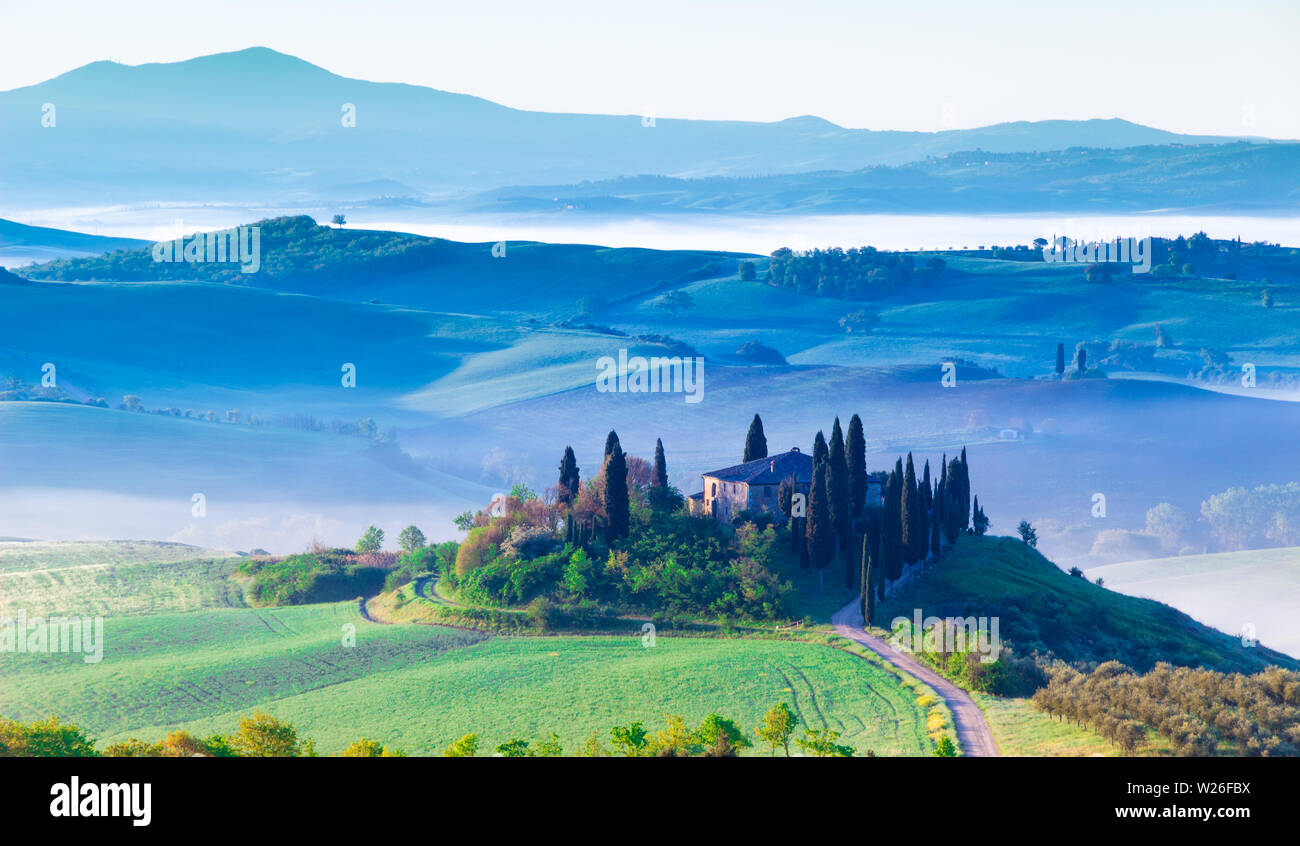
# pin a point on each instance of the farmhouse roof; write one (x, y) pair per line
(768, 471)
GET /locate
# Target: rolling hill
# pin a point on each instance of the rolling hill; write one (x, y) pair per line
(1228, 590)
(1045, 610)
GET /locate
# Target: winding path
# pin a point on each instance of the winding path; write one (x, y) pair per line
(973, 731)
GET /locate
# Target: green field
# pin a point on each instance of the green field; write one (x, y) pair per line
(1228, 589)
(113, 578)
(419, 687)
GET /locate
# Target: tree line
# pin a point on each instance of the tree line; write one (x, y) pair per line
(912, 522)
(1197, 711)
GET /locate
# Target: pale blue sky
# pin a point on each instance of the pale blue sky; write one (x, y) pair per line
(1190, 66)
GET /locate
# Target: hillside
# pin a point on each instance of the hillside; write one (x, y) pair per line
(1241, 177)
(1229, 590)
(22, 244)
(245, 113)
(1043, 609)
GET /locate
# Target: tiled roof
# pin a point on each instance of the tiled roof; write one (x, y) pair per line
(768, 471)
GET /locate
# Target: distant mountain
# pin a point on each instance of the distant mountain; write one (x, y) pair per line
(22, 244)
(1240, 177)
(260, 125)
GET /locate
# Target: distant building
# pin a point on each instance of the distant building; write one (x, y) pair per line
(754, 485)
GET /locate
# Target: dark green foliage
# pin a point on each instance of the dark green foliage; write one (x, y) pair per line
(926, 494)
(611, 441)
(329, 575)
(567, 489)
(755, 440)
(820, 451)
(820, 530)
(910, 512)
(659, 479)
(1060, 358)
(617, 504)
(838, 495)
(855, 449)
(891, 527)
(855, 274)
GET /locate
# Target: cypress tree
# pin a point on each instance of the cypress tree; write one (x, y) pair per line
(910, 506)
(617, 506)
(660, 477)
(927, 502)
(868, 584)
(820, 451)
(837, 494)
(963, 519)
(821, 532)
(891, 550)
(611, 441)
(954, 515)
(567, 491)
(755, 441)
(855, 449)
(569, 535)
(1060, 359)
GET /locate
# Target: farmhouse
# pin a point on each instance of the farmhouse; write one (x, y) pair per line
(752, 485)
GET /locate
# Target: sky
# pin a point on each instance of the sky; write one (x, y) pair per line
(1187, 66)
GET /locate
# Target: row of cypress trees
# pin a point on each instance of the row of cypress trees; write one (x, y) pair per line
(915, 521)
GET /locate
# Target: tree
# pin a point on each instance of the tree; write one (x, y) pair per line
(785, 496)
(926, 496)
(674, 302)
(820, 450)
(891, 527)
(1060, 358)
(720, 737)
(868, 583)
(339, 220)
(838, 499)
(371, 541)
(630, 740)
(1171, 524)
(567, 490)
(515, 747)
(820, 529)
(617, 506)
(755, 440)
(1081, 358)
(263, 736)
(778, 727)
(860, 321)
(466, 747)
(659, 479)
(1028, 533)
(855, 448)
(746, 271)
(411, 539)
(820, 743)
(910, 512)
(980, 522)
(611, 441)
